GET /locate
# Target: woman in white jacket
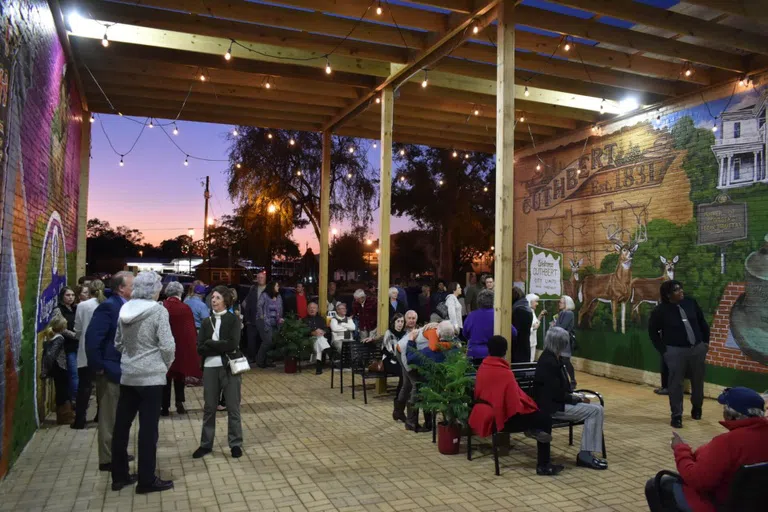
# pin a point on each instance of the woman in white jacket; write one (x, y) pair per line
(533, 300)
(454, 306)
(342, 327)
(82, 318)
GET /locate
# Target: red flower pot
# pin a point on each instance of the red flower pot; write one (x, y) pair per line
(291, 365)
(448, 439)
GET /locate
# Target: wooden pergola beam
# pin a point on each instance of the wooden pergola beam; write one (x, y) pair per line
(592, 29)
(755, 10)
(439, 49)
(675, 22)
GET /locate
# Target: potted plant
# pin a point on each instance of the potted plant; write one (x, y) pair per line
(292, 342)
(447, 390)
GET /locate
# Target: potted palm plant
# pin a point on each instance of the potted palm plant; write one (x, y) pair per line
(447, 391)
(292, 342)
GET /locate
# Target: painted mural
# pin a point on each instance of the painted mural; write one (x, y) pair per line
(683, 195)
(40, 130)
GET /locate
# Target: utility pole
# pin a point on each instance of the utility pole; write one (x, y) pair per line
(207, 196)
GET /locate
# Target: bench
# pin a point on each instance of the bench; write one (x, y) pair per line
(524, 374)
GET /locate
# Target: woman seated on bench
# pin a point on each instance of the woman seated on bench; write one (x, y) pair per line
(499, 399)
(552, 391)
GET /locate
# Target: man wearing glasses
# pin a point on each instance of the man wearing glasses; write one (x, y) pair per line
(679, 332)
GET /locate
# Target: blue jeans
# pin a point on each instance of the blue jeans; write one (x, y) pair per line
(74, 380)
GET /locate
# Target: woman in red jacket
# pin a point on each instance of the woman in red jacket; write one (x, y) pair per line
(186, 362)
(501, 404)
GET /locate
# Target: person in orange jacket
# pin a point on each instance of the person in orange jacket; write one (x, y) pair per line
(707, 473)
(500, 403)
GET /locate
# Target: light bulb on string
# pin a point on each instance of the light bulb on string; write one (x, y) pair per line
(440, 183)
(424, 82)
(526, 93)
(714, 128)
(151, 123)
(476, 112)
(378, 100)
(121, 161)
(292, 142)
(454, 154)
(105, 40)
(228, 55)
(269, 136)
(235, 133)
(349, 175)
(466, 156)
(175, 129)
(379, 10)
(120, 114)
(538, 167)
(238, 165)
(688, 69)
(328, 69)
(268, 85)
(202, 76)
(351, 150)
(93, 118)
(485, 189)
(567, 46)
(522, 118)
(186, 160)
(375, 145)
(402, 178)
(298, 173)
(402, 152)
(475, 29)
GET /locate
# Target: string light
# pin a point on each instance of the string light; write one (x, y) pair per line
(714, 128)
(402, 152)
(269, 136)
(328, 69)
(440, 183)
(402, 178)
(235, 132)
(378, 100)
(351, 150)
(268, 85)
(151, 123)
(594, 128)
(298, 173)
(121, 161)
(175, 129)
(120, 114)
(202, 76)
(238, 165)
(476, 112)
(292, 142)
(93, 118)
(228, 55)
(522, 118)
(375, 145)
(485, 189)
(186, 160)
(349, 175)
(454, 154)
(688, 69)
(424, 82)
(742, 81)
(526, 93)
(105, 40)
(379, 9)
(602, 106)
(466, 156)
(475, 29)
(567, 46)
(538, 167)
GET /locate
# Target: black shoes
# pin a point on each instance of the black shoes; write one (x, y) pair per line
(237, 452)
(156, 486)
(415, 428)
(119, 484)
(180, 409)
(77, 426)
(696, 413)
(108, 465)
(539, 435)
(661, 391)
(677, 422)
(549, 469)
(201, 452)
(594, 463)
(165, 412)
(398, 416)
(267, 365)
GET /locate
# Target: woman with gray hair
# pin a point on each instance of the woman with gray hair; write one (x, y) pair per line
(186, 362)
(145, 340)
(552, 392)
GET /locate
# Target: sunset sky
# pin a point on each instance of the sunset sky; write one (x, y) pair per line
(155, 193)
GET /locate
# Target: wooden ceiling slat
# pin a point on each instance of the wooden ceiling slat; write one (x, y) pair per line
(638, 12)
(756, 10)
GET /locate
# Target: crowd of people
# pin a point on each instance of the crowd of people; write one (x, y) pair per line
(137, 351)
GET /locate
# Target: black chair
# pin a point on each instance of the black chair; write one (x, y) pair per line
(746, 494)
(341, 360)
(362, 355)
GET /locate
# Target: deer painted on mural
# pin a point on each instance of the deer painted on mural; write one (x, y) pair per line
(645, 290)
(571, 286)
(614, 288)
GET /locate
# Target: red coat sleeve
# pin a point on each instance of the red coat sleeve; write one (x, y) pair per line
(706, 468)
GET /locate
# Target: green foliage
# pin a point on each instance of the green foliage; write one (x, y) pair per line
(448, 389)
(699, 164)
(608, 265)
(292, 340)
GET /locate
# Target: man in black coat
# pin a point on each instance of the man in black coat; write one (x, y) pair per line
(679, 332)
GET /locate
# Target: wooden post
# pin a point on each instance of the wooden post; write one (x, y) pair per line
(505, 173)
(82, 198)
(385, 207)
(325, 221)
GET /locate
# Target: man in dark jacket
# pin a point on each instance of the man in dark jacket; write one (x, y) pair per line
(251, 313)
(679, 332)
(104, 361)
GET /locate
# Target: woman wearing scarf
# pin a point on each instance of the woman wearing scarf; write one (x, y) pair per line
(392, 337)
(522, 320)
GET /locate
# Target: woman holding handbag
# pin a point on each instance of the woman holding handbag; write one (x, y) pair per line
(218, 343)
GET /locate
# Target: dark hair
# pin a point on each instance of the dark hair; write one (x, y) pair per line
(497, 346)
(395, 318)
(83, 279)
(440, 281)
(487, 277)
(63, 291)
(271, 289)
(517, 293)
(452, 286)
(666, 289)
(225, 293)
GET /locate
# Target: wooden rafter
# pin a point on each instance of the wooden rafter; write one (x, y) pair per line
(755, 10)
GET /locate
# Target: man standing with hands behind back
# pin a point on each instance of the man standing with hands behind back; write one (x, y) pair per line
(104, 361)
(679, 332)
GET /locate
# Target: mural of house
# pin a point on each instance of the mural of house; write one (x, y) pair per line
(741, 149)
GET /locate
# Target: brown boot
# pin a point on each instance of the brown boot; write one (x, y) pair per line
(64, 414)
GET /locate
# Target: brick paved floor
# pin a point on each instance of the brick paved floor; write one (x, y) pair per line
(308, 448)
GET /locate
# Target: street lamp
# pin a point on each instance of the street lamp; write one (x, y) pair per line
(210, 221)
(141, 254)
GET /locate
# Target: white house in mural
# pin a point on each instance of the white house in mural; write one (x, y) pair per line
(741, 149)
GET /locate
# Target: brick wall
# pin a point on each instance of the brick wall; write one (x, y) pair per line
(719, 354)
(42, 124)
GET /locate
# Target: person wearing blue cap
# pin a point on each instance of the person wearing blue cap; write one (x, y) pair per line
(706, 473)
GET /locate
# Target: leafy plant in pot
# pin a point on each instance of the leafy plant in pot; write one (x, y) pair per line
(447, 390)
(292, 342)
